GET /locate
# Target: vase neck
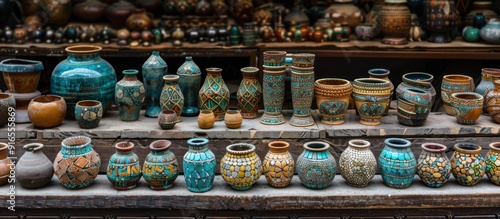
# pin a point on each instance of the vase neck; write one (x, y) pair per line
(82, 57)
(249, 75)
(160, 152)
(130, 77)
(198, 148)
(171, 82)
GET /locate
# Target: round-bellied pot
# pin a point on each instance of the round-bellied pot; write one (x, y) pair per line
(77, 164)
(278, 165)
(273, 95)
(189, 82)
(467, 106)
(332, 99)
(316, 167)
(88, 113)
(171, 97)
(302, 85)
(467, 165)
(84, 75)
(47, 111)
(206, 119)
(167, 119)
(492, 102)
(130, 94)
(233, 119)
(414, 106)
(433, 166)
(160, 167)
(249, 93)
(383, 74)
(395, 22)
(491, 32)
(21, 75)
(420, 80)
(397, 163)
(22, 102)
(34, 169)
(5, 163)
(7, 106)
(153, 70)
(199, 165)
(486, 84)
(240, 166)
(453, 84)
(493, 163)
(214, 94)
(371, 97)
(440, 20)
(124, 168)
(357, 163)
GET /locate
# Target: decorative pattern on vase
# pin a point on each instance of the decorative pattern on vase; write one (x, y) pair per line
(395, 22)
(357, 163)
(467, 165)
(171, 97)
(152, 72)
(21, 75)
(397, 163)
(5, 163)
(240, 166)
(371, 97)
(441, 16)
(130, 94)
(167, 119)
(34, 169)
(467, 106)
(214, 94)
(189, 82)
(433, 166)
(332, 99)
(6, 101)
(419, 80)
(316, 167)
(383, 74)
(493, 163)
(88, 113)
(453, 84)
(486, 85)
(249, 93)
(199, 165)
(160, 168)
(77, 164)
(278, 164)
(273, 95)
(492, 102)
(124, 169)
(414, 106)
(302, 98)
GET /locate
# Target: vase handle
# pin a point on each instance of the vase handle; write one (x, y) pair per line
(33, 147)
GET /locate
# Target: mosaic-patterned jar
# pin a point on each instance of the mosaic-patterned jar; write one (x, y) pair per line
(467, 107)
(160, 168)
(153, 70)
(189, 82)
(467, 164)
(199, 165)
(332, 99)
(240, 166)
(492, 102)
(493, 163)
(124, 169)
(453, 84)
(397, 163)
(395, 22)
(371, 97)
(214, 94)
(357, 163)
(440, 19)
(316, 167)
(278, 164)
(171, 97)
(249, 93)
(488, 76)
(129, 95)
(433, 166)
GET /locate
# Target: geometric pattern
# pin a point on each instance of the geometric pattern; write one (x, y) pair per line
(214, 94)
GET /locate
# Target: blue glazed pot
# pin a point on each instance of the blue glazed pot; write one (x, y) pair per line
(397, 163)
(160, 167)
(130, 94)
(316, 167)
(189, 82)
(199, 165)
(124, 169)
(420, 80)
(84, 75)
(152, 72)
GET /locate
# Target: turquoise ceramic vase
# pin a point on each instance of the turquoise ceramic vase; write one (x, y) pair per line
(84, 75)
(420, 80)
(316, 167)
(214, 94)
(199, 165)
(273, 90)
(302, 97)
(160, 168)
(130, 94)
(397, 163)
(124, 169)
(189, 82)
(152, 72)
(171, 97)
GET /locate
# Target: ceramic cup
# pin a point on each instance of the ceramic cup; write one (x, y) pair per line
(88, 113)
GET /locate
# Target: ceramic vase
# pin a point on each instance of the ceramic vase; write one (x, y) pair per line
(467, 107)
(493, 163)
(371, 97)
(341, 11)
(414, 106)
(189, 82)
(316, 167)
(233, 119)
(34, 169)
(21, 75)
(7, 106)
(418, 80)
(273, 95)
(278, 164)
(433, 166)
(153, 70)
(357, 163)
(88, 113)
(130, 94)
(491, 32)
(332, 99)
(84, 75)
(395, 22)
(206, 119)
(249, 93)
(167, 119)
(240, 166)
(302, 85)
(397, 163)
(214, 94)
(199, 165)
(488, 76)
(124, 168)
(171, 97)
(5, 164)
(47, 111)
(441, 18)
(492, 102)
(77, 164)
(467, 164)
(384, 75)
(160, 167)
(453, 84)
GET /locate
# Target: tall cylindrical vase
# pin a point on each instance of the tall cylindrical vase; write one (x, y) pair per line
(316, 167)
(152, 72)
(189, 82)
(129, 95)
(171, 97)
(397, 163)
(214, 94)
(199, 165)
(440, 19)
(302, 97)
(433, 166)
(273, 95)
(357, 163)
(249, 93)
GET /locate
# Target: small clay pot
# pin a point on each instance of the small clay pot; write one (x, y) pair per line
(21, 75)
(167, 119)
(139, 20)
(88, 113)
(5, 163)
(47, 111)
(233, 119)
(206, 119)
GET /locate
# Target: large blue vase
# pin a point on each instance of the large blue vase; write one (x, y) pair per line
(189, 82)
(397, 163)
(199, 165)
(84, 75)
(152, 72)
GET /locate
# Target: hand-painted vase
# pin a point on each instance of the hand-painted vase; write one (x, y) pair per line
(7, 105)
(199, 165)
(171, 97)
(302, 96)
(397, 163)
(316, 167)
(357, 163)
(77, 164)
(414, 106)
(492, 102)
(395, 22)
(5, 163)
(433, 166)
(371, 97)
(440, 19)
(124, 169)
(34, 169)
(273, 85)
(129, 95)
(278, 165)
(418, 80)
(488, 76)
(152, 72)
(84, 75)
(214, 94)
(189, 82)
(384, 75)
(240, 166)
(88, 113)
(332, 99)
(453, 84)
(493, 163)
(467, 107)
(160, 168)
(467, 165)
(249, 93)
(491, 32)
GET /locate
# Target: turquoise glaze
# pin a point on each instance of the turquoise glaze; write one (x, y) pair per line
(160, 167)
(129, 95)
(199, 165)
(273, 91)
(152, 72)
(316, 167)
(124, 169)
(189, 82)
(88, 113)
(302, 98)
(397, 163)
(420, 80)
(214, 94)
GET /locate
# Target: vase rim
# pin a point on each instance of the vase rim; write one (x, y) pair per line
(171, 77)
(379, 72)
(316, 146)
(232, 111)
(467, 147)
(468, 96)
(328, 82)
(124, 146)
(48, 98)
(274, 52)
(240, 148)
(249, 69)
(197, 141)
(495, 146)
(306, 54)
(395, 1)
(434, 147)
(20, 65)
(493, 71)
(397, 142)
(409, 74)
(274, 72)
(83, 49)
(73, 141)
(3, 146)
(458, 78)
(214, 69)
(5, 96)
(359, 143)
(88, 103)
(33, 147)
(160, 145)
(168, 112)
(130, 72)
(302, 68)
(278, 144)
(482, 3)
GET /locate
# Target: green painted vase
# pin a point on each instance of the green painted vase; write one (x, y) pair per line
(130, 94)
(199, 165)
(189, 82)
(467, 165)
(171, 97)
(249, 93)
(124, 169)
(397, 163)
(153, 70)
(160, 168)
(214, 94)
